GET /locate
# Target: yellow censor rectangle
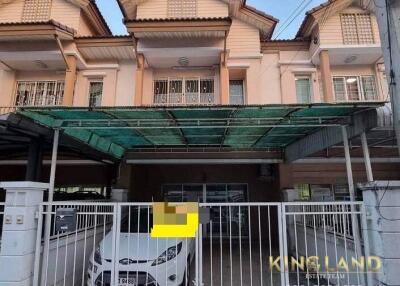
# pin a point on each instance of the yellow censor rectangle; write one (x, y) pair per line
(172, 220)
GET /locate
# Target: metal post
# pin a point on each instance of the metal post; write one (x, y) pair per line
(367, 159)
(348, 163)
(49, 207)
(53, 165)
(354, 220)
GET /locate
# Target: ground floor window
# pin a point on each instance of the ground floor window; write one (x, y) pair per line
(325, 192)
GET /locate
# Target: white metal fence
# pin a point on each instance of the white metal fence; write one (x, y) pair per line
(1, 220)
(241, 244)
(323, 243)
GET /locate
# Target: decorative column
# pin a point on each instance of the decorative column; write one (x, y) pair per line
(326, 76)
(19, 232)
(70, 78)
(224, 79)
(139, 80)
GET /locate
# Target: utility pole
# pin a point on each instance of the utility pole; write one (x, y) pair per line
(388, 16)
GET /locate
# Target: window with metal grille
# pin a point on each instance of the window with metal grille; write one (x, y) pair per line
(355, 88)
(182, 8)
(31, 93)
(36, 10)
(175, 91)
(95, 93)
(357, 29)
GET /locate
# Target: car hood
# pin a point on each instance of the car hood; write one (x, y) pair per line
(139, 246)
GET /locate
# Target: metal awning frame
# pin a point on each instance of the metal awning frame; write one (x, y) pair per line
(115, 130)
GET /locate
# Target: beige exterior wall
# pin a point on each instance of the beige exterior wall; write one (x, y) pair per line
(331, 29)
(85, 28)
(11, 12)
(125, 85)
(243, 40)
(109, 78)
(158, 9)
(66, 13)
(7, 85)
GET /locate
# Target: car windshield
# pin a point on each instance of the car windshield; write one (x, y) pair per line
(138, 221)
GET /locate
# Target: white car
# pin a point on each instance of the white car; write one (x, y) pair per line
(142, 260)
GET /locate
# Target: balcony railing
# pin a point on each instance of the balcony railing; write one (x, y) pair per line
(39, 93)
(184, 99)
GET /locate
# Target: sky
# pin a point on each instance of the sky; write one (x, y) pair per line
(289, 12)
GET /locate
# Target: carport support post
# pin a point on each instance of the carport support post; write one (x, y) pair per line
(355, 226)
(49, 200)
(367, 159)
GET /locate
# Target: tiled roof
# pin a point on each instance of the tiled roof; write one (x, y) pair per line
(103, 37)
(178, 19)
(50, 22)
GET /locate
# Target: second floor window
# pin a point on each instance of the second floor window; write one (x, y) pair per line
(36, 10)
(182, 8)
(95, 93)
(357, 29)
(303, 89)
(236, 92)
(37, 93)
(176, 91)
(355, 88)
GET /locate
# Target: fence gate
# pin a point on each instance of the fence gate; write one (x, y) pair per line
(323, 243)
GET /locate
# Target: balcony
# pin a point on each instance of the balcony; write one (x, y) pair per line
(39, 93)
(193, 91)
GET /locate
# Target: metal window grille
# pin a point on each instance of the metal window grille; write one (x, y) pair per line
(339, 88)
(355, 88)
(357, 29)
(36, 10)
(42, 93)
(369, 87)
(184, 91)
(303, 89)
(182, 8)
(95, 93)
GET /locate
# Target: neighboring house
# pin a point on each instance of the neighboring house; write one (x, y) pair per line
(191, 52)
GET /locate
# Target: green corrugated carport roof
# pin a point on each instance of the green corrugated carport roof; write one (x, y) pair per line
(114, 130)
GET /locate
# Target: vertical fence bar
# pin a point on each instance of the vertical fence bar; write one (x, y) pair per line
(36, 270)
(282, 243)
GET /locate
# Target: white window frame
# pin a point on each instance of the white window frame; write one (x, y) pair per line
(183, 100)
(360, 88)
(97, 80)
(309, 77)
(243, 88)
